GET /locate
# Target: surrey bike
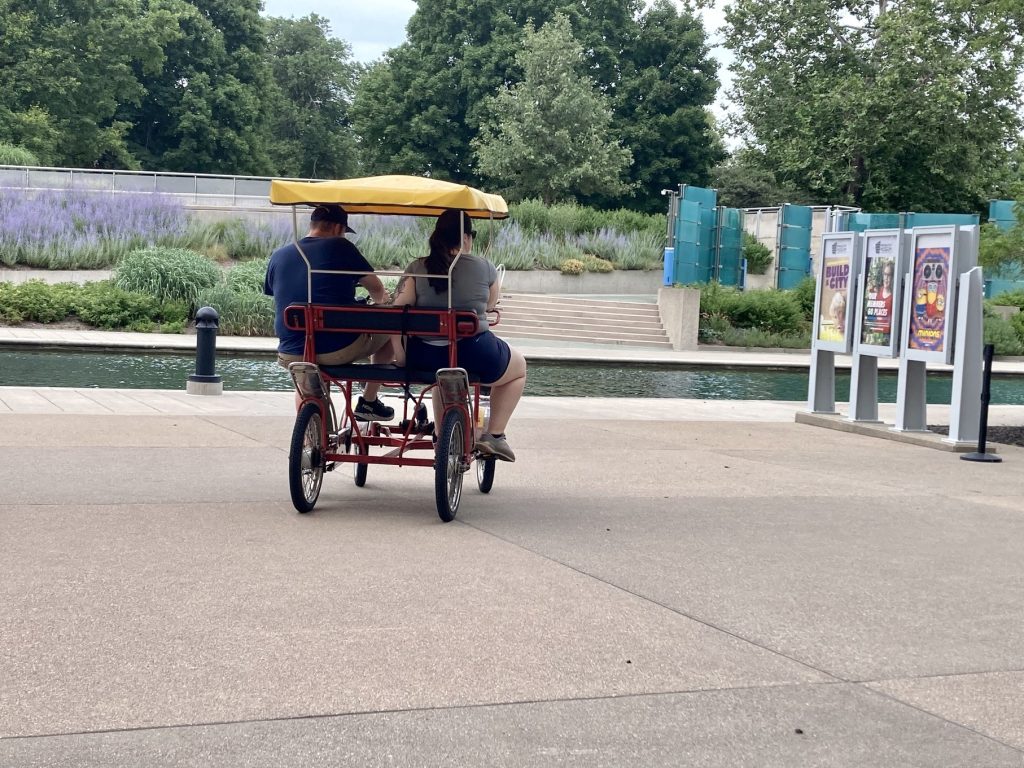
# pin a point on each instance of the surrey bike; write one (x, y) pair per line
(326, 433)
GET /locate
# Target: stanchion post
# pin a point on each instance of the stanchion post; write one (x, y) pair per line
(986, 381)
(205, 380)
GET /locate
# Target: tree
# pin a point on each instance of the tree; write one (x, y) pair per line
(660, 101)
(207, 109)
(314, 79)
(418, 110)
(890, 105)
(66, 69)
(549, 136)
(743, 182)
(415, 111)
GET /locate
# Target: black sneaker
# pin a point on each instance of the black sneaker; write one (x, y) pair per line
(373, 410)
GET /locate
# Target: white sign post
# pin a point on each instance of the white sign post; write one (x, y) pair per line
(942, 323)
(834, 302)
(883, 260)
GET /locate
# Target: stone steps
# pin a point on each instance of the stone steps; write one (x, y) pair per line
(574, 319)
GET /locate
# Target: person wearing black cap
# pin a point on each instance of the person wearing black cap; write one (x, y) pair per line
(326, 248)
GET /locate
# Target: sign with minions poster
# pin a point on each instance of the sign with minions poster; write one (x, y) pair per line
(932, 294)
(833, 308)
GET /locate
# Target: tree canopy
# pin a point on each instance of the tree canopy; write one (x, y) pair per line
(419, 109)
(890, 105)
(882, 104)
(549, 135)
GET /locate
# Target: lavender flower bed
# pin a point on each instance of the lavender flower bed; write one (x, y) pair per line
(78, 230)
(64, 229)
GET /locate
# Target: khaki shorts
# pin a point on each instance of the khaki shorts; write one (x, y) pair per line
(359, 349)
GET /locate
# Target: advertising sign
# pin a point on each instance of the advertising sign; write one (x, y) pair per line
(836, 278)
(882, 266)
(932, 294)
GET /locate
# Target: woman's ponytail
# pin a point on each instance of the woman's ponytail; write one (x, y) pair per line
(446, 238)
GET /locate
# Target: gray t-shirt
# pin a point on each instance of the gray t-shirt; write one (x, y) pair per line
(472, 278)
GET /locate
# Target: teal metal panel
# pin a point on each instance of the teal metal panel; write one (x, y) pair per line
(695, 235)
(1001, 213)
(688, 243)
(912, 220)
(730, 246)
(707, 198)
(859, 222)
(994, 286)
(794, 244)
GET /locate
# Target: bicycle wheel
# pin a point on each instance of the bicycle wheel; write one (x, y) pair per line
(485, 473)
(306, 458)
(448, 465)
(359, 470)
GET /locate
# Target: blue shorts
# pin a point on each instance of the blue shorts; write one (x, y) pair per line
(485, 355)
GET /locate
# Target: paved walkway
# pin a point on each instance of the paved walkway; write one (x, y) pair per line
(679, 582)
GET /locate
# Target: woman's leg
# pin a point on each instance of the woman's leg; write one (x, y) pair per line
(506, 393)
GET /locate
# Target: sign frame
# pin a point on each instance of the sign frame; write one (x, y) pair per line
(876, 240)
(931, 314)
(838, 251)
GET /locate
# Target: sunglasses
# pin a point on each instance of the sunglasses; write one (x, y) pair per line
(932, 270)
(471, 233)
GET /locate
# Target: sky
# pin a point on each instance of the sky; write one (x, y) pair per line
(375, 26)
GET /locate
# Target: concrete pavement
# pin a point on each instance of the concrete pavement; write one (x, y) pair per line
(669, 583)
(653, 583)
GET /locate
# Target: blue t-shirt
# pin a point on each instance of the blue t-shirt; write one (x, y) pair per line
(286, 282)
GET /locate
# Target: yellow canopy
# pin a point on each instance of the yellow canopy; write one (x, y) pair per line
(403, 195)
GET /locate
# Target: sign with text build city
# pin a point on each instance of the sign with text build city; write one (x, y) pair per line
(833, 303)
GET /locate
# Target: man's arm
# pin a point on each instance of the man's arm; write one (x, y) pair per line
(375, 288)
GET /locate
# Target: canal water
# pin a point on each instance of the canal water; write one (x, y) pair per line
(134, 370)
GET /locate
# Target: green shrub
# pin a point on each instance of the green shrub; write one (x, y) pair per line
(634, 222)
(1010, 299)
(248, 277)
(241, 314)
(551, 253)
(755, 337)
(641, 250)
(713, 329)
(530, 215)
(717, 300)
(567, 219)
(11, 154)
(770, 311)
(35, 301)
(168, 274)
(104, 305)
(1017, 321)
(759, 257)
(573, 267)
(596, 264)
(1002, 335)
(804, 292)
(9, 315)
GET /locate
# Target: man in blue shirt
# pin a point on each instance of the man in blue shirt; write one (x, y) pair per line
(326, 248)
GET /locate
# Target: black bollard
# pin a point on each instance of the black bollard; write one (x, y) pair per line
(986, 396)
(205, 381)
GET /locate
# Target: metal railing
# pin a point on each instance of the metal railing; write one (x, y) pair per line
(194, 188)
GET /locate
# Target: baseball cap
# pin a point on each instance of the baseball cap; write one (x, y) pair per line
(333, 214)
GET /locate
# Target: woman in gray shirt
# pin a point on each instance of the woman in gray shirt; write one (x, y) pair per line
(474, 286)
